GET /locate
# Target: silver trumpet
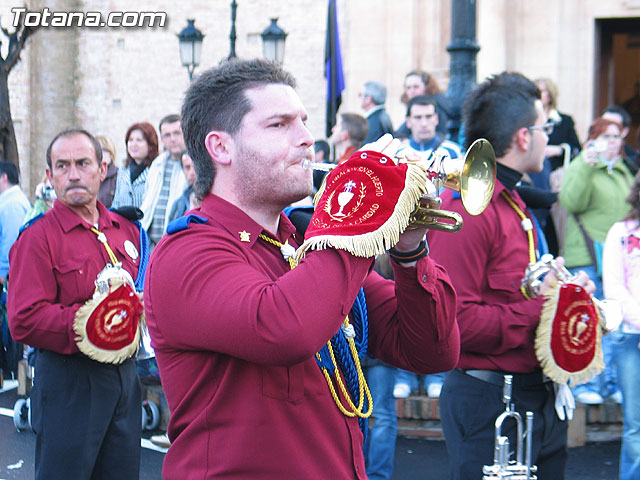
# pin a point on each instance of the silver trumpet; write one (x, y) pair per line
(473, 176)
(610, 310)
(502, 467)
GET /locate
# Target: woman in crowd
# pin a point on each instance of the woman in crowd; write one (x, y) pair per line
(594, 190)
(621, 282)
(564, 130)
(142, 148)
(108, 185)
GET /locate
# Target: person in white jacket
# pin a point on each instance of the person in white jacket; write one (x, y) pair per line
(165, 181)
(621, 282)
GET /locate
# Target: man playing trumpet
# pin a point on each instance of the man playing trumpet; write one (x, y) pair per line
(487, 260)
(71, 295)
(259, 352)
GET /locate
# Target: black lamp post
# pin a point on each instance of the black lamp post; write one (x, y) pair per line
(190, 47)
(463, 49)
(273, 39)
(232, 35)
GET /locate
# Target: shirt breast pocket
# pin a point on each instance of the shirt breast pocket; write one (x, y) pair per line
(505, 280)
(283, 383)
(73, 282)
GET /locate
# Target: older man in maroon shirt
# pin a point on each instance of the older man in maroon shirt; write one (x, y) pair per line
(86, 414)
(236, 330)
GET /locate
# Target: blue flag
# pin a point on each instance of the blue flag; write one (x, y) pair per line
(333, 67)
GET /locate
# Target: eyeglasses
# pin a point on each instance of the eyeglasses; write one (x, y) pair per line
(546, 128)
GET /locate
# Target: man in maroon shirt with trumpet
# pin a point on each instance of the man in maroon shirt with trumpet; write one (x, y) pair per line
(239, 333)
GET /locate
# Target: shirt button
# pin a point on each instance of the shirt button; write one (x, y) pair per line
(424, 278)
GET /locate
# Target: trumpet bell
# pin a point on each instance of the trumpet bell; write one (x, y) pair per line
(478, 177)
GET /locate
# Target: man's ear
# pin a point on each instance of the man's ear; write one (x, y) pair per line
(103, 167)
(625, 132)
(522, 139)
(219, 145)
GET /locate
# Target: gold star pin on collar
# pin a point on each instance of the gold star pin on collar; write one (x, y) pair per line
(245, 236)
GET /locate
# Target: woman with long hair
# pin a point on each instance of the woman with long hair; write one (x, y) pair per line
(142, 148)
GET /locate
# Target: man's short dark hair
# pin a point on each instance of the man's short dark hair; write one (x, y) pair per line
(357, 126)
(421, 100)
(70, 132)
(498, 108)
(10, 170)
(322, 146)
(172, 118)
(216, 100)
(618, 110)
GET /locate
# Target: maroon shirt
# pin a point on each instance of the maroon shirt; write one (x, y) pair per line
(54, 263)
(235, 332)
(486, 261)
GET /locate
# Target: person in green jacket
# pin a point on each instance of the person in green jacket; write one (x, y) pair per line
(595, 186)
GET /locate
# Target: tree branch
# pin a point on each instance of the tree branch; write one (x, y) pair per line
(17, 41)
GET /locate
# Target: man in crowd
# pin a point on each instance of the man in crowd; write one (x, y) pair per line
(422, 122)
(373, 97)
(487, 261)
(14, 205)
(86, 414)
(630, 155)
(237, 332)
(348, 134)
(166, 181)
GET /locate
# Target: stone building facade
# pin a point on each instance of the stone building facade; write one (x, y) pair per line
(105, 79)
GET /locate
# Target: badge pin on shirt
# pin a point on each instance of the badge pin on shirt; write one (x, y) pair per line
(131, 249)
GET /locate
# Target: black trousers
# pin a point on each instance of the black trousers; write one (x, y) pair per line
(87, 418)
(469, 408)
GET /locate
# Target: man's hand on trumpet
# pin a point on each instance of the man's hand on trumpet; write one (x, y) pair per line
(556, 275)
(411, 239)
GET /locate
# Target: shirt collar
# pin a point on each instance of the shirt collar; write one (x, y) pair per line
(507, 176)
(238, 223)
(422, 146)
(69, 219)
(373, 110)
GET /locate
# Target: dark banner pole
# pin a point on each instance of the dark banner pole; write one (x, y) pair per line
(463, 50)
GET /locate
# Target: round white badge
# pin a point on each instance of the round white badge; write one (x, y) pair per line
(131, 249)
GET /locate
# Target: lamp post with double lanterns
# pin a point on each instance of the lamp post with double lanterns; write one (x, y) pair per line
(273, 40)
(190, 39)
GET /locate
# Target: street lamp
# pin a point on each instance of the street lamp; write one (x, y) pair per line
(273, 39)
(190, 47)
(232, 35)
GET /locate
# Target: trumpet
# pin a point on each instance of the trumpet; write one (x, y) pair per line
(610, 310)
(473, 176)
(502, 467)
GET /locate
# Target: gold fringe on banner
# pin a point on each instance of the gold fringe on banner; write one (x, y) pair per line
(89, 349)
(543, 345)
(386, 236)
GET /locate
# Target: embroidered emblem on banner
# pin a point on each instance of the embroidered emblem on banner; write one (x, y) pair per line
(568, 338)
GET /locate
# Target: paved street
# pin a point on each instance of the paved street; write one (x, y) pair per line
(415, 458)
